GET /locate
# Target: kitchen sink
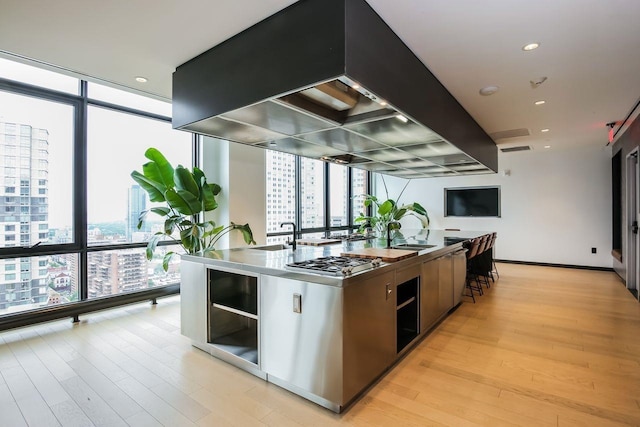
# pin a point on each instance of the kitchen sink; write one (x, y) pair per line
(277, 247)
(415, 246)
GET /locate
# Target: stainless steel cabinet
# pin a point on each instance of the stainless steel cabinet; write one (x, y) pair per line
(193, 301)
(440, 283)
(369, 331)
(445, 284)
(429, 293)
(301, 335)
(459, 275)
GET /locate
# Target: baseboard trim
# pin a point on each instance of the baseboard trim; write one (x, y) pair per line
(547, 264)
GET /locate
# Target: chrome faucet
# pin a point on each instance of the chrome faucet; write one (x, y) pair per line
(293, 243)
(389, 232)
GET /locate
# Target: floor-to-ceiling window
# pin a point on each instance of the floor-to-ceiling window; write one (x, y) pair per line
(321, 198)
(68, 206)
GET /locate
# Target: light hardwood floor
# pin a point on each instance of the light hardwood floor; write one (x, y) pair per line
(543, 347)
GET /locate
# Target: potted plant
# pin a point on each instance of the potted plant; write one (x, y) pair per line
(188, 196)
(389, 211)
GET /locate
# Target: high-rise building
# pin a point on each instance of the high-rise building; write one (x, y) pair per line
(136, 203)
(24, 204)
(114, 272)
(281, 196)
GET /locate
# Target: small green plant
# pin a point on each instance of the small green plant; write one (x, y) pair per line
(188, 196)
(388, 211)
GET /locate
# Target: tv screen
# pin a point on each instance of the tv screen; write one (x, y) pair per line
(472, 201)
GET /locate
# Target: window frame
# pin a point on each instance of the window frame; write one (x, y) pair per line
(327, 229)
(80, 104)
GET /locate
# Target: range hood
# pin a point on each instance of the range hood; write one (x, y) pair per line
(328, 79)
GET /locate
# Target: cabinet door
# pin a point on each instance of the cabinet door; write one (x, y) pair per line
(430, 290)
(459, 275)
(193, 301)
(301, 334)
(369, 330)
(445, 284)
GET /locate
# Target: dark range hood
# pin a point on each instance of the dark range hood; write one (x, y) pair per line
(328, 79)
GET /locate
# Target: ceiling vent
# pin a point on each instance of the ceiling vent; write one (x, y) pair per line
(519, 148)
(511, 133)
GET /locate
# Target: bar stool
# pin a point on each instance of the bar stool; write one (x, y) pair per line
(472, 252)
(481, 264)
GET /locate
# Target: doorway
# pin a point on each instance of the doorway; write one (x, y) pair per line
(633, 216)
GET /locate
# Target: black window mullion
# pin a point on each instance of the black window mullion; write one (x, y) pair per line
(350, 198)
(327, 200)
(80, 212)
(298, 179)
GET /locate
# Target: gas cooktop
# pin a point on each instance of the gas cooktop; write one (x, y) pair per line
(334, 265)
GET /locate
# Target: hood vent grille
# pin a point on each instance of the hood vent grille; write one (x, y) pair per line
(329, 80)
(514, 149)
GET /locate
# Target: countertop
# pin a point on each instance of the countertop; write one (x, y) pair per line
(273, 262)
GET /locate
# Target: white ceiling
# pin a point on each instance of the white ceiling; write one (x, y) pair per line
(590, 51)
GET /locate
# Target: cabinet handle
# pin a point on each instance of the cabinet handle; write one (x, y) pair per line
(388, 287)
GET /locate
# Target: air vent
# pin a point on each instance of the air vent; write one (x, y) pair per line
(519, 148)
(511, 133)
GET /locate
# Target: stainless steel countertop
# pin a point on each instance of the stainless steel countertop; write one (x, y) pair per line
(251, 259)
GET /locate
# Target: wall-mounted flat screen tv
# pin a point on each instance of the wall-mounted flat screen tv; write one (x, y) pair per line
(472, 201)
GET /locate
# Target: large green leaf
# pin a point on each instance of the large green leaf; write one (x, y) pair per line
(215, 188)
(417, 208)
(183, 202)
(161, 211)
(199, 177)
(399, 214)
(151, 246)
(141, 218)
(191, 238)
(154, 189)
(386, 207)
(166, 259)
(208, 199)
(185, 181)
(159, 169)
(247, 234)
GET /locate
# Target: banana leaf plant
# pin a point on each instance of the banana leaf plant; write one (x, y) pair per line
(387, 211)
(188, 196)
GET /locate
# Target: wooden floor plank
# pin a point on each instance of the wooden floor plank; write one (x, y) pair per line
(543, 347)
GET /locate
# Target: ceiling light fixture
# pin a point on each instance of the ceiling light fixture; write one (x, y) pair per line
(530, 46)
(544, 130)
(383, 103)
(547, 146)
(355, 86)
(489, 90)
(540, 102)
(141, 79)
(402, 118)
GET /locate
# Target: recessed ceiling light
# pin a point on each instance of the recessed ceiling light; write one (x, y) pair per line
(547, 146)
(141, 79)
(539, 102)
(488, 90)
(383, 103)
(544, 130)
(530, 46)
(355, 86)
(402, 118)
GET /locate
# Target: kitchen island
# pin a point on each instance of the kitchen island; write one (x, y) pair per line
(323, 335)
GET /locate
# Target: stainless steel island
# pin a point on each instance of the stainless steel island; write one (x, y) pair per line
(323, 337)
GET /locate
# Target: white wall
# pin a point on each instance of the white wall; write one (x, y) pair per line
(556, 205)
(240, 170)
